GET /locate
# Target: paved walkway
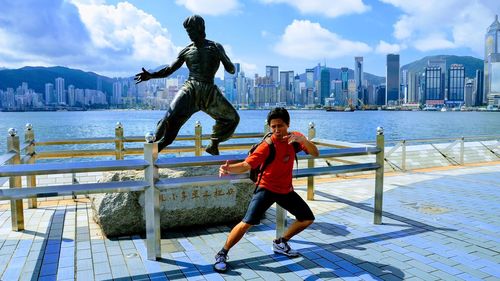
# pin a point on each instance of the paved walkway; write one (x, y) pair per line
(437, 225)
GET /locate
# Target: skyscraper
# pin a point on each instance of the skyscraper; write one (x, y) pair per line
(492, 64)
(478, 91)
(412, 88)
(392, 96)
(60, 91)
(273, 73)
(456, 85)
(309, 86)
(49, 92)
(324, 85)
(434, 94)
(358, 77)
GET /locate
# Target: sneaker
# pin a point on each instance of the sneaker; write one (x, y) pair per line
(220, 262)
(282, 247)
(212, 149)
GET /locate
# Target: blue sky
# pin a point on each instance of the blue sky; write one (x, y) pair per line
(117, 38)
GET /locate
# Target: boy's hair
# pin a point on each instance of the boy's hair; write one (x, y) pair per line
(195, 22)
(278, 113)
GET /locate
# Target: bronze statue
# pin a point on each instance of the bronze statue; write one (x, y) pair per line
(199, 92)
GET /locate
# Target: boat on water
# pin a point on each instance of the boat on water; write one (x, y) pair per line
(443, 109)
(430, 108)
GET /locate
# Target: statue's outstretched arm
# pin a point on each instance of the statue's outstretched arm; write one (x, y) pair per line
(164, 72)
(226, 62)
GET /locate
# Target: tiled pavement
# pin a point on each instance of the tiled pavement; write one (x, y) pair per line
(437, 225)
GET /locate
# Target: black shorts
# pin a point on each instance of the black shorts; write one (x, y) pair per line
(263, 199)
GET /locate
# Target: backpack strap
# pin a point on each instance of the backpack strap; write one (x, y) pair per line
(269, 159)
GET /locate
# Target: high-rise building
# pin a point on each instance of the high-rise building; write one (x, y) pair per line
(492, 64)
(392, 96)
(478, 91)
(456, 85)
(60, 91)
(412, 88)
(433, 94)
(117, 93)
(284, 87)
(49, 93)
(403, 88)
(324, 85)
(273, 73)
(297, 93)
(359, 78)
(468, 92)
(71, 95)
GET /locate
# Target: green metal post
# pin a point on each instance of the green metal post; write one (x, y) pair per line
(462, 150)
(29, 138)
(119, 151)
(379, 177)
(403, 155)
(16, 206)
(197, 138)
(310, 164)
(152, 199)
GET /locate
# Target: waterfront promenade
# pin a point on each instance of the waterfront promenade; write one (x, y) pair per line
(438, 224)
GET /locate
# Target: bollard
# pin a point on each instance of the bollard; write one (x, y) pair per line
(379, 177)
(152, 199)
(462, 150)
(310, 164)
(403, 155)
(197, 139)
(29, 138)
(119, 141)
(16, 206)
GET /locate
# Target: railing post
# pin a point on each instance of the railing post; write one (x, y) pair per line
(197, 138)
(403, 155)
(152, 199)
(266, 127)
(16, 206)
(462, 150)
(29, 138)
(119, 141)
(280, 221)
(310, 164)
(379, 178)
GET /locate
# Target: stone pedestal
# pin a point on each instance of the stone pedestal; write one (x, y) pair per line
(121, 214)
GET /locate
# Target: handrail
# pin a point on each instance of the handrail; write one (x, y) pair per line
(444, 139)
(221, 159)
(7, 157)
(74, 189)
(75, 167)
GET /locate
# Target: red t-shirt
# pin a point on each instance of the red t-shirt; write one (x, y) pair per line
(277, 176)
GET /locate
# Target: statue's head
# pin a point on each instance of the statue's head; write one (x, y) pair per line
(195, 27)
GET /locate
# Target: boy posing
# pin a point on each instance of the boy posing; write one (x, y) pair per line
(275, 186)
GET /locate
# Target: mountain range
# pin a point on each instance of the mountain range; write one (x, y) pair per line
(36, 77)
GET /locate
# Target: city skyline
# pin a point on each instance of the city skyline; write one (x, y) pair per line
(116, 38)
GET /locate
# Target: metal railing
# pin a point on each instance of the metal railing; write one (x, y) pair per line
(152, 184)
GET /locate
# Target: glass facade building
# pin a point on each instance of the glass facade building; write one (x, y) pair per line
(392, 96)
(456, 85)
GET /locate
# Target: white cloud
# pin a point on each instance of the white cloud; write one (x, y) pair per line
(210, 7)
(307, 40)
(86, 34)
(325, 7)
(433, 42)
(387, 48)
(436, 25)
